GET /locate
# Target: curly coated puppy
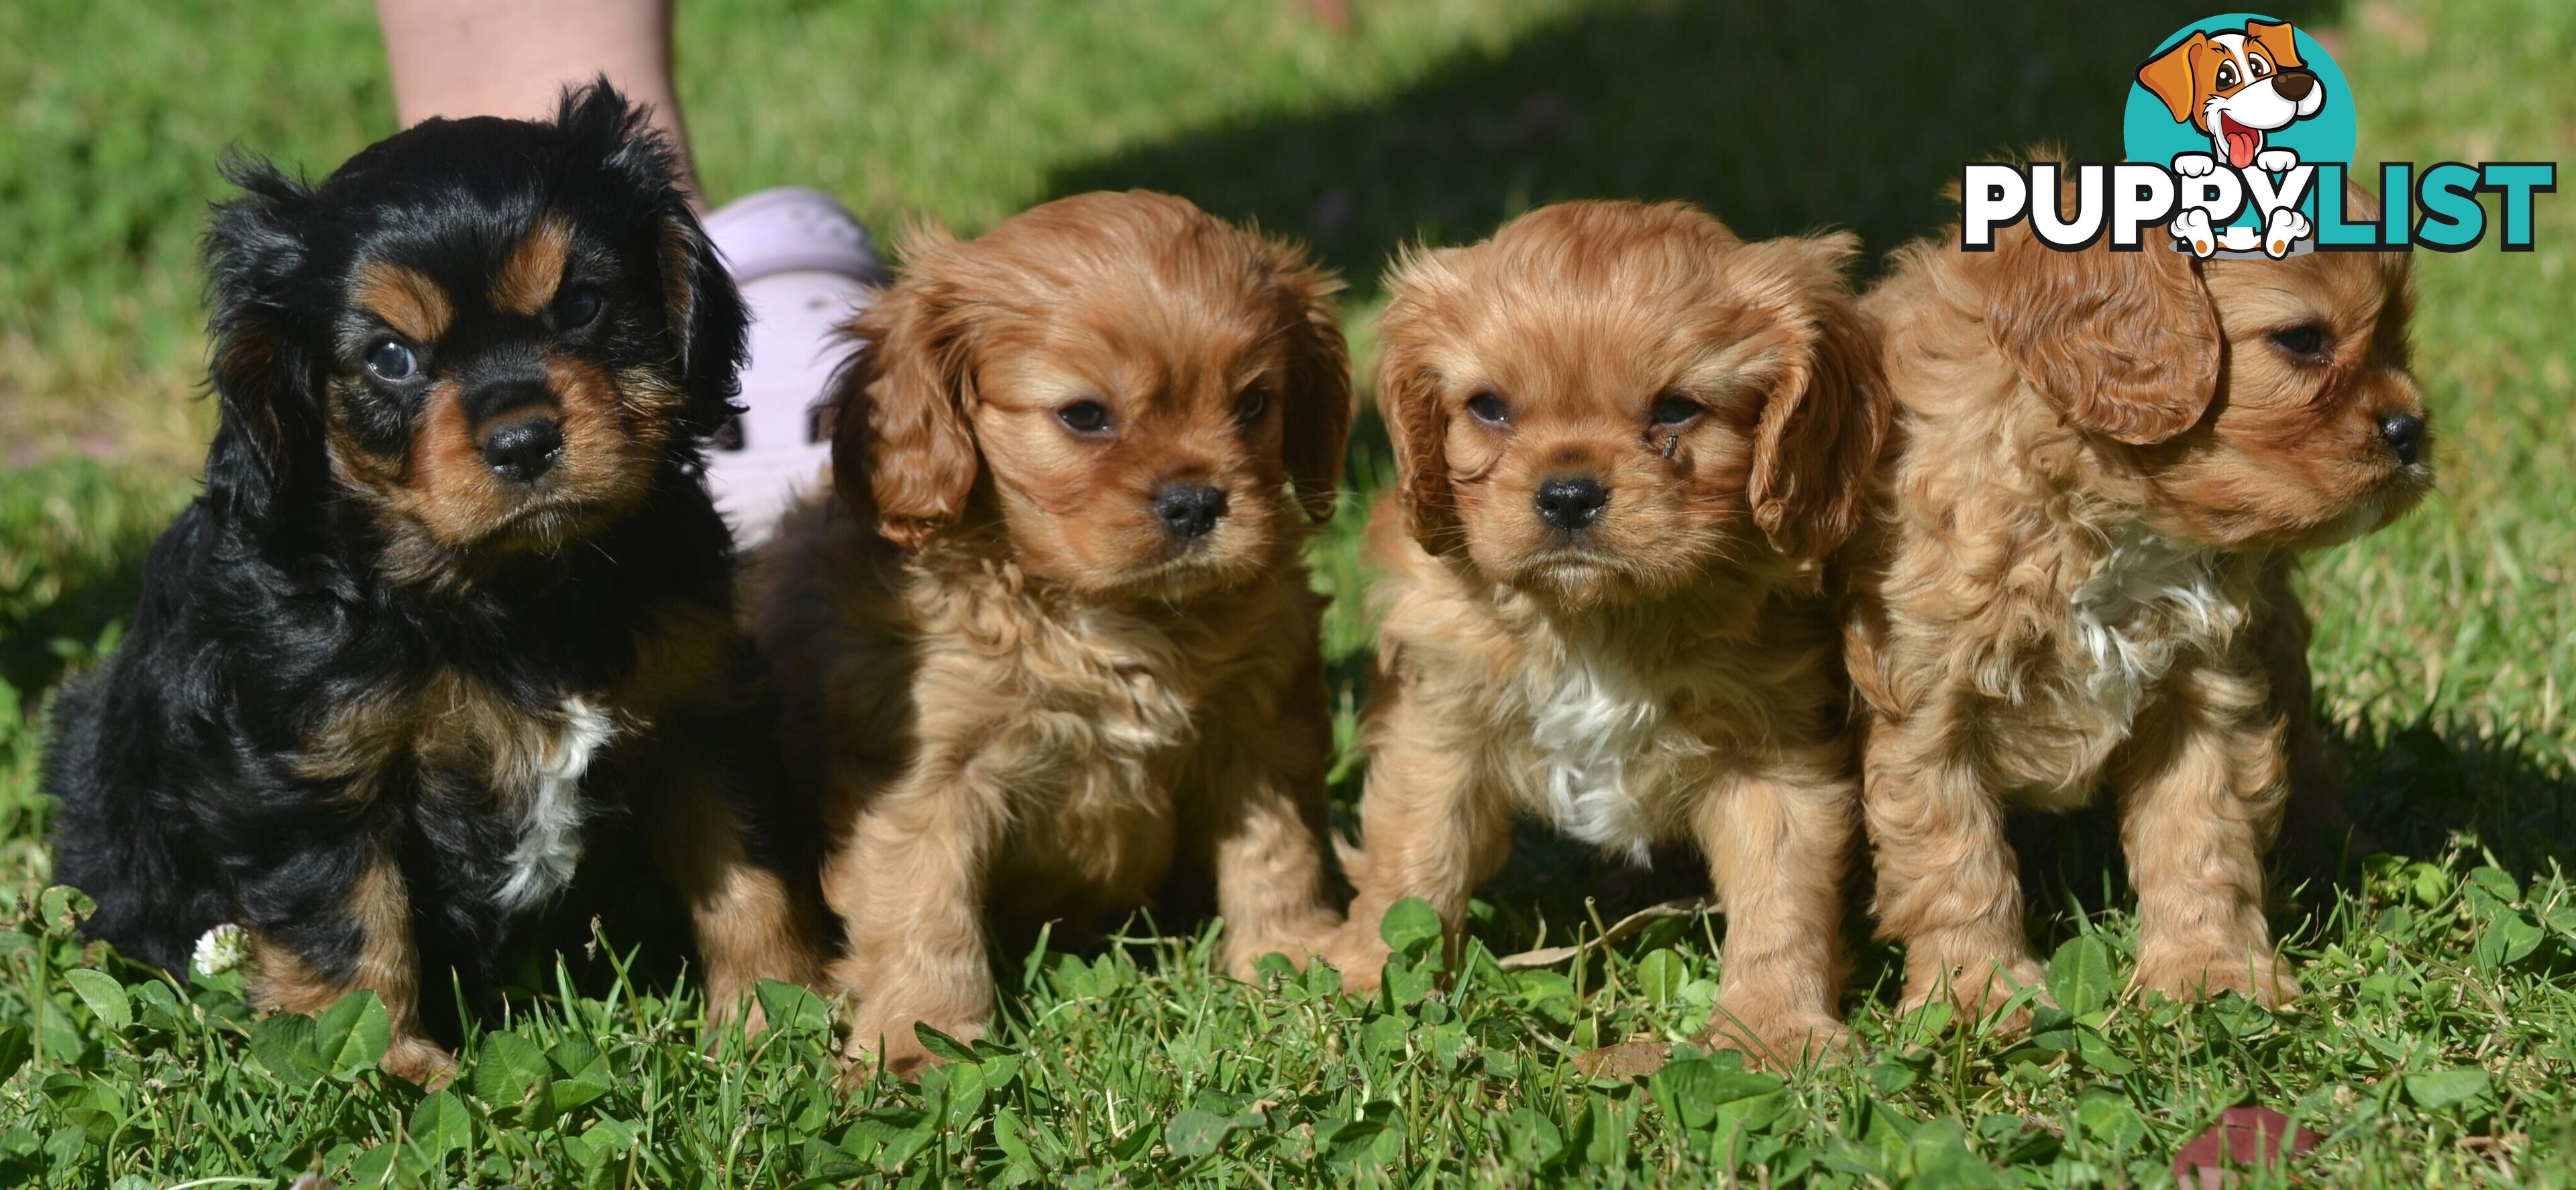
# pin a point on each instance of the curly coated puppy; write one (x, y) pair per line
(2076, 579)
(454, 599)
(1051, 636)
(1626, 440)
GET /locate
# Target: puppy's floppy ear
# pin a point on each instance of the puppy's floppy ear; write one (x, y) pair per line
(1409, 399)
(1315, 417)
(2119, 343)
(903, 452)
(2167, 76)
(1822, 425)
(2281, 40)
(703, 314)
(268, 439)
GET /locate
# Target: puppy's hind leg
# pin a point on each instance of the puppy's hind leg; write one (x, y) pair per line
(1777, 843)
(131, 851)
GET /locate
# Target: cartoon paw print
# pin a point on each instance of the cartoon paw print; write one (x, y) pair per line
(2285, 228)
(2276, 161)
(2194, 165)
(2192, 227)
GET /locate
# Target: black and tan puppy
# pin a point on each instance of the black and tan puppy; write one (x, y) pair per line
(454, 598)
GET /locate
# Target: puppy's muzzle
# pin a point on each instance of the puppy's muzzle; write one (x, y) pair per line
(1571, 502)
(518, 433)
(1188, 510)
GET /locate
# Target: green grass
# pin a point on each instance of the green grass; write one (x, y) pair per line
(2433, 1048)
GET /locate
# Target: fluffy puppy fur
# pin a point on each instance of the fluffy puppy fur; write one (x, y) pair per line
(2076, 579)
(1053, 635)
(1625, 439)
(454, 596)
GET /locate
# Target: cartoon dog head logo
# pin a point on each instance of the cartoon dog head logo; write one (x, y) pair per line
(2237, 138)
(2237, 87)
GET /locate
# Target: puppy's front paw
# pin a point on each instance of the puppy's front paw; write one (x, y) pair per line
(1359, 955)
(2200, 973)
(2192, 227)
(1780, 1040)
(889, 1042)
(2195, 165)
(2276, 161)
(1978, 987)
(420, 1060)
(1300, 940)
(724, 1008)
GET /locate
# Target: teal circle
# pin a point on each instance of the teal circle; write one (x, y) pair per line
(2152, 134)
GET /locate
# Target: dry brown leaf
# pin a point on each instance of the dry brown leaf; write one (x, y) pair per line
(1627, 1059)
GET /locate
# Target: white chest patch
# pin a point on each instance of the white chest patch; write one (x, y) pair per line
(1588, 726)
(549, 845)
(2148, 601)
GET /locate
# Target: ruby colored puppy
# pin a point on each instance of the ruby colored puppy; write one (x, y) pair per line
(1051, 635)
(1626, 438)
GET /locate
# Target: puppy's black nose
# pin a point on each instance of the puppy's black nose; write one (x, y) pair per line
(520, 451)
(1571, 502)
(1188, 509)
(2294, 85)
(2405, 435)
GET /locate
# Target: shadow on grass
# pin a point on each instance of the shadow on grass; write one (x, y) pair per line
(2418, 785)
(73, 535)
(2412, 789)
(1778, 118)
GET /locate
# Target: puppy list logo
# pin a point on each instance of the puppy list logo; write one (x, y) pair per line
(2239, 134)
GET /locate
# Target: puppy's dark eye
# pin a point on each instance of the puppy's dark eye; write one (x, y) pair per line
(1254, 402)
(1489, 409)
(1673, 409)
(578, 306)
(2259, 67)
(2306, 340)
(2226, 77)
(1084, 417)
(391, 361)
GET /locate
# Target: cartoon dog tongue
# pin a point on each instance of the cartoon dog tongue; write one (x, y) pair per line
(2242, 142)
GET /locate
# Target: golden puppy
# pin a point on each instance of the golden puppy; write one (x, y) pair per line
(1054, 634)
(1625, 439)
(2076, 578)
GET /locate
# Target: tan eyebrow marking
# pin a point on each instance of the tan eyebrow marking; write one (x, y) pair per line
(405, 299)
(529, 277)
